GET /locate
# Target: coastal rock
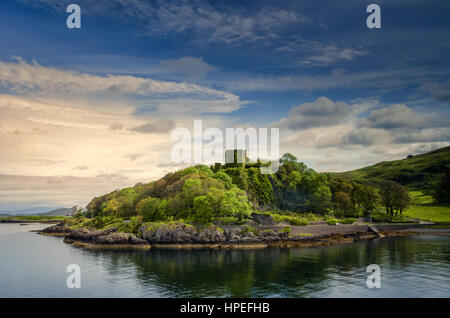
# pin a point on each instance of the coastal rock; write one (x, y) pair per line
(118, 238)
(56, 229)
(169, 233)
(87, 235)
(211, 234)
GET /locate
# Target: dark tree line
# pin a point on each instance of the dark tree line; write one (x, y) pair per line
(349, 198)
(442, 191)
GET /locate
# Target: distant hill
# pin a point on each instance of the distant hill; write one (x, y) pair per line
(29, 211)
(417, 172)
(62, 211)
(37, 211)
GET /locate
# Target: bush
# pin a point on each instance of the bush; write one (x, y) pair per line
(286, 230)
(348, 221)
(298, 221)
(332, 222)
(248, 229)
(226, 179)
(293, 220)
(230, 220)
(187, 171)
(387, 218)
(135, 223)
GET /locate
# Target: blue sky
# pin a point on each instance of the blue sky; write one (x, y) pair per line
(342, 95)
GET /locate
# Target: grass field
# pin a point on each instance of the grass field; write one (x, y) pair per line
(423, 208)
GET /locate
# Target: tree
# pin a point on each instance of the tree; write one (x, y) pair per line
(387, 192)
(343, 204)
(402, 199)
(442, 191)
(365, 197)
(225, 178)
(191, 189)
(235, 203)
(394, 197)
(368, 198)
(149, 209)
(339, 185)
(204, 212)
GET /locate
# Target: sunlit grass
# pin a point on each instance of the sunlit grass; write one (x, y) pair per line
(423, 208)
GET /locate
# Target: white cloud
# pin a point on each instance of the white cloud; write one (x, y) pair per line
(350, 141)
(398, 116)
(122, 92)
(321, 112)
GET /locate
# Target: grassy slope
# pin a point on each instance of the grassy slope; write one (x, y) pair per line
(423, 208)
(418, 173)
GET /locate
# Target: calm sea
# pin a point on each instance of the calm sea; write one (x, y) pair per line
(32, 265)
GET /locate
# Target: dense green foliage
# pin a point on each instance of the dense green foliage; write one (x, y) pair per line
(195, 193)
(201, 195)
(332, 222)
(394, 197)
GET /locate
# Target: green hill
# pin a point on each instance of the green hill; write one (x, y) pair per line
(61, 211)
(201, 193)
(419, 172)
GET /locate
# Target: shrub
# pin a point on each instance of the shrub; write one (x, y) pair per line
(230, 220)
(135, 223)
(248, 229)
(297, 221)
(187, 171)
(332, 222)
(287, 230)
(348, 221)
(226, 179)
(381, 217)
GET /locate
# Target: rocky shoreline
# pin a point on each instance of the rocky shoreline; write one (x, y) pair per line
(180, 235)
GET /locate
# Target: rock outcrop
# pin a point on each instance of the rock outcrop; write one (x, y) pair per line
(56, 229)
(185, 234)
(178, 233)
(119, 238)
(104, 237)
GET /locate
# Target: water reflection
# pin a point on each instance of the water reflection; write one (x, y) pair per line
(406, 262)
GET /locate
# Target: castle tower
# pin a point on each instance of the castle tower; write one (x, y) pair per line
(235, 157)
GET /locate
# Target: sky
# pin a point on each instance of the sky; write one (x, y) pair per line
(86, 111)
